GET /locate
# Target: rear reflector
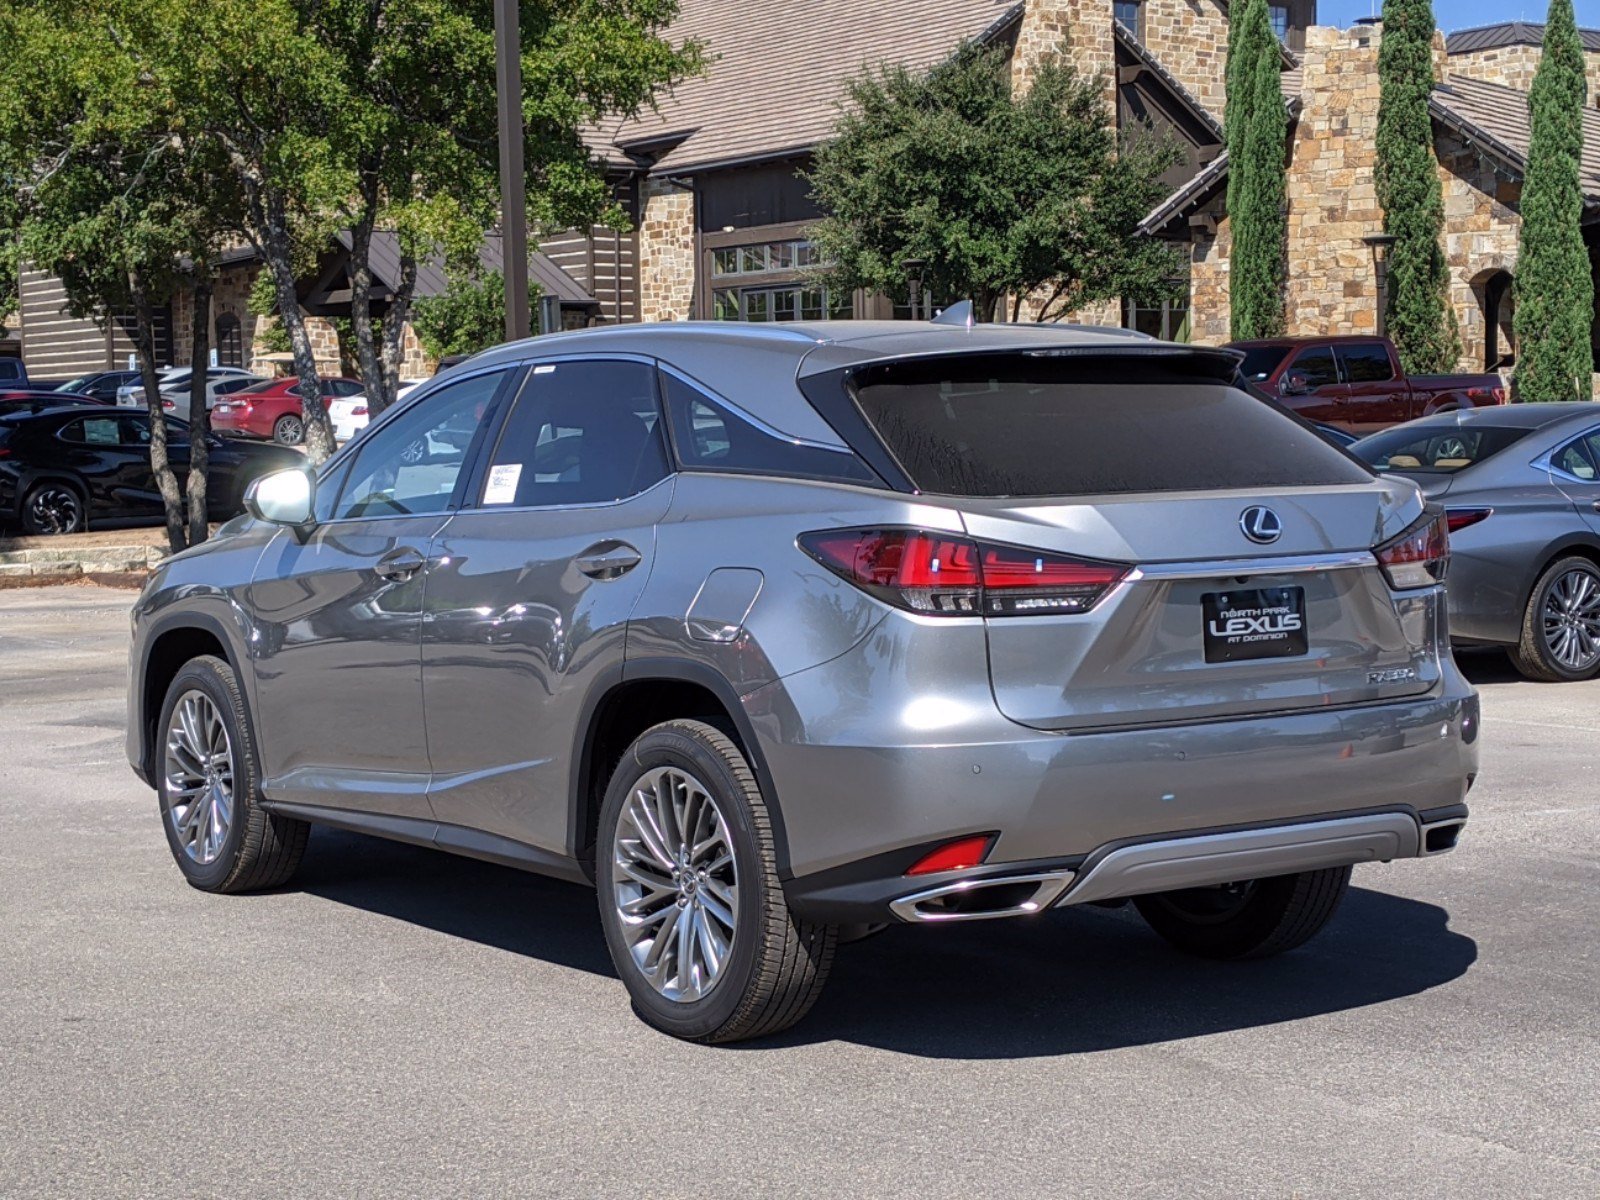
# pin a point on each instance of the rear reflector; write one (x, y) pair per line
(954, 856)
(943, 574)
(1460, 518)
(1420, 556)
(359, 410)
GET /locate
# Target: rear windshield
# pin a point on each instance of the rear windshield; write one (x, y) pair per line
(1436, 450)
(1013, 425)
(1261, 361)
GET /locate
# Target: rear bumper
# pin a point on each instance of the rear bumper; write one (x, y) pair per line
(1168, 864)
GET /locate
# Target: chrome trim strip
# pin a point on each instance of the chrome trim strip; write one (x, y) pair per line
(1458, 823)
(744, 415)
(1210, 859)
(1049, 887)
(1293, 564)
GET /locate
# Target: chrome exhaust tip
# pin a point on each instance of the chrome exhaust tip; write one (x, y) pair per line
(984, 899)
(1440, 837)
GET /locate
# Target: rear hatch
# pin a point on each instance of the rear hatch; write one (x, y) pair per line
(1245, 543)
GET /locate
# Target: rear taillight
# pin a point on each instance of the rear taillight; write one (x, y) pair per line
(1460, 518)
(954, 856)
(946, 575)
(168, 404)
(359, 410)
(1419, 557)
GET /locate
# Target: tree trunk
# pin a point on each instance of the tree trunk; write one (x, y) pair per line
(144, 344)
(280, 261)
(394, 327)
(367, 353)
(199, 414)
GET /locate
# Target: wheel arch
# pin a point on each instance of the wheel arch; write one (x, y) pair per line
(34, 478)
(631, 699)
(185, 637)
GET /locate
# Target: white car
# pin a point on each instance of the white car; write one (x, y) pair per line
(174, 385)
(348, 414)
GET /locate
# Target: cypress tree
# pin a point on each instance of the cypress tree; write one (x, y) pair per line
(1420, 320)
(1555, 290)
(1257, 131)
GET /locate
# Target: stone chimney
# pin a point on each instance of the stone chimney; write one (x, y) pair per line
(1333, 199)
(1078, 30)
(1190, 39)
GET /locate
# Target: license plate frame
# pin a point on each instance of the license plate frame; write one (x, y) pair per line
(1247, 624)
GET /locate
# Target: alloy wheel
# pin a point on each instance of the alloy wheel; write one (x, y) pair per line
(676, 883)
(198, 778)
(54, 509)
(1571, 619)
(291, 431)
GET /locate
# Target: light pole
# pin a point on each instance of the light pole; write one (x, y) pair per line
(513, 181)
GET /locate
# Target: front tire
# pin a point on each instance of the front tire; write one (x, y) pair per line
(54, 508)
(1561, 625)
(693, 911)
(1254, 919)
(207, 781)
(289, 430)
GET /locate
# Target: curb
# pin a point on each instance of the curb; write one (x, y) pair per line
(26, 568)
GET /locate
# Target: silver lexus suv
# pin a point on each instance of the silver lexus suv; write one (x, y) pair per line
(777, 636)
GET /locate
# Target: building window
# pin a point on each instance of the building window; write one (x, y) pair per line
(1278, 14)
(1166, 319)
(785, 302)
(1131, 14)
(760, 259)
(230, 341)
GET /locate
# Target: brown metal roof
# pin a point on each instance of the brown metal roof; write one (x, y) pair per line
(1496, 117)
(1510, 33)
(778, 70)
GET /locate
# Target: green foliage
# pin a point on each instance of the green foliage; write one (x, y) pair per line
(274, 338)
(1257, 135)
(469, 316)
(992, 193)
(1555, 287)
(1420, 320)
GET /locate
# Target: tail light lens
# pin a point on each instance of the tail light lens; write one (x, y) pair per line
(942, 574)
(168, 404)
(1420, 556)
(1460, 518)
(954, 856)
(359, 410)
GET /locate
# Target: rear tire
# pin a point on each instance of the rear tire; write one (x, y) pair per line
(1563, 609)
(207, 782)
(54, 508)
(289, 430)
(765, 968)
(1255, 919)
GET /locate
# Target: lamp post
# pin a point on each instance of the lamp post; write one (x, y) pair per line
(914, 267)
(513, 179)
(1379, 244)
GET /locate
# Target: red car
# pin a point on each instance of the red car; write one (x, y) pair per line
(272, 409)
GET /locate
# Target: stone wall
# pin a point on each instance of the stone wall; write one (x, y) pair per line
(1514, 66)
(1190, 39)
(1209, 249)
(1333, 202)
(1480, 239)
(666, 252)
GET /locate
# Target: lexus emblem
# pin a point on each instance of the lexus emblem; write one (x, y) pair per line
(1261, 524)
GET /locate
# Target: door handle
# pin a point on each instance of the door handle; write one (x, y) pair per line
(400, 564)
(608, 560)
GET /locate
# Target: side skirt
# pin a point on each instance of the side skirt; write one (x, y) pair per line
(456, 839)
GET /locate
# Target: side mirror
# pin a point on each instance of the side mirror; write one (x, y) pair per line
(282, 498)
(1296, 383)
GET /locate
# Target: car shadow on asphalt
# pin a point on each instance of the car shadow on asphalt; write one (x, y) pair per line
(1070, 982)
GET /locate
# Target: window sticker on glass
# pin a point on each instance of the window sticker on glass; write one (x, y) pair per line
(547, 369)
(502, 487)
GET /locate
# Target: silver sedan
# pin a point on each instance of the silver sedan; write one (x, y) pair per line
(1521, 487)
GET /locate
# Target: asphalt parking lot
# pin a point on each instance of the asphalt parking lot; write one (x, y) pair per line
(402, 1023)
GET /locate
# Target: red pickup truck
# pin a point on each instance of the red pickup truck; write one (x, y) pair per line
(1356, 382)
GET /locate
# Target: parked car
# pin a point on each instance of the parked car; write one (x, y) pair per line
(66, 469)
(901, 623)
(1357, 383)
(13, 373)
(32, 400)
(349, 415)
(102, 385)
(271, 409)
(173, 383)
(1521, 488)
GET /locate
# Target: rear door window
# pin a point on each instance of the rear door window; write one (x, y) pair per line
(1015, 425)
(1366, 362)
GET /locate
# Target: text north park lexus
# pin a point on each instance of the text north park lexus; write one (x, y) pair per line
(779, 635)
